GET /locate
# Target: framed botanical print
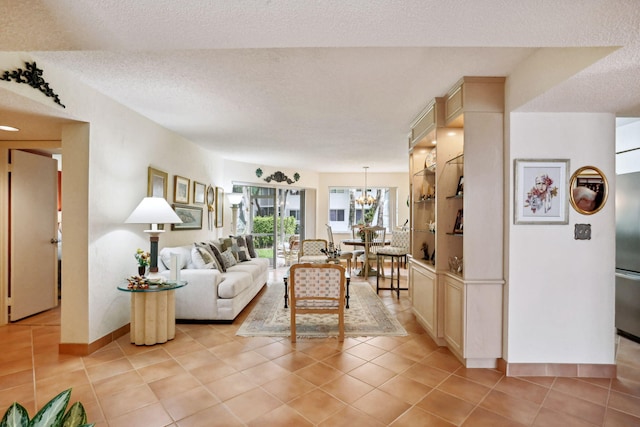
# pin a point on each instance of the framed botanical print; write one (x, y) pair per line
(219, 206)
(191, 217)
(541, 191)
(199, 192)
(157, 183)
(181, 189)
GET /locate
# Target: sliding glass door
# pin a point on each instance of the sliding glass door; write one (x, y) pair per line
(275, 218)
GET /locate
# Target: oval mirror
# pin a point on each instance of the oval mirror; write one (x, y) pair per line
(589, 190)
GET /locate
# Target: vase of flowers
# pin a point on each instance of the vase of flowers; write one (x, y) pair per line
(143, 261)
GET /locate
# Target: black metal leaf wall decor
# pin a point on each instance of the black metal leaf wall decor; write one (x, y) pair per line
(32, 76)
(281, 177)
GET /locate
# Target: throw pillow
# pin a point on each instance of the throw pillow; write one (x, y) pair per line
(227, 243)
(238, 248)
(252, 250)
(217, 253)
(241, 253)
(165, 257)
(228, 259)
(202, 259)
(204, 245)
(241, 241)
(208, 248)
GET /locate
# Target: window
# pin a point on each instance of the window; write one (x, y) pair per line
(344, 212)
(295, 213)
(336, 215)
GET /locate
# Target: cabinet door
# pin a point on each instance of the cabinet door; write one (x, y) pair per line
(454, 314)
(423, 284)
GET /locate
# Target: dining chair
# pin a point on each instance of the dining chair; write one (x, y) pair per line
(290, 250)
(355, 234)
(346, 255)
(310, 250)
(397, 250)
(317, 289)
(374, 239)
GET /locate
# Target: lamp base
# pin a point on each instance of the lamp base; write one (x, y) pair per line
(154, 275)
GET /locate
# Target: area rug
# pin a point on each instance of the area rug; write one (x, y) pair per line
(366, 317)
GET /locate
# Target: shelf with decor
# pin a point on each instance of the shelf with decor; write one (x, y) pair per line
(423, 183)
(458, 300)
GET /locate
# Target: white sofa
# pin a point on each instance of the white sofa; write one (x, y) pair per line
(212, 295)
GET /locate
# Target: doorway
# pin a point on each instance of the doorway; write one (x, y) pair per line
(33, 230)
(274, 216)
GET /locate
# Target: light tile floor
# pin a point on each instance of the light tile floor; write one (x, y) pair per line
(208, 376)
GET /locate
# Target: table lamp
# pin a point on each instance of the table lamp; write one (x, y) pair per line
(154, 211)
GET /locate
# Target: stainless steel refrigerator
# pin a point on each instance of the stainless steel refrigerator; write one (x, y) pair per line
(628, 255)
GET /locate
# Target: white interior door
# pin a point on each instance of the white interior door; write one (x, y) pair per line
(33, 223)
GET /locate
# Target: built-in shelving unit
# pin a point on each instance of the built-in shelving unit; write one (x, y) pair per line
(461, 309)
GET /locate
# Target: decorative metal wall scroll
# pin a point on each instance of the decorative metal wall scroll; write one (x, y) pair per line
(279, 177)
(33, 77)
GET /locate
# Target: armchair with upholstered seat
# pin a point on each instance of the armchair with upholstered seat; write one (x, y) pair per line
(310, 250)
(319, 289)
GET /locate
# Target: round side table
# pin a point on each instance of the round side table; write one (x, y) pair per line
(153, 313)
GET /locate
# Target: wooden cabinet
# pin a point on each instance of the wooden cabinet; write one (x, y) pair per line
(460, 307)
(454, 314)
(424, 297)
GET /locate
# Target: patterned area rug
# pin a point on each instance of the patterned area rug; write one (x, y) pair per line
(366, 317)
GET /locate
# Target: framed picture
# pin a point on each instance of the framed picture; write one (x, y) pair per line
(181, 189)
(211, 196)
(541, 191)
(199, 192)
(219, 206)
(157, 183)
(458, 227)
(191, 217)
(460, 189)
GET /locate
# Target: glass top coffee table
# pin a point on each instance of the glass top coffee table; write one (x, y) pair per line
(285, 278)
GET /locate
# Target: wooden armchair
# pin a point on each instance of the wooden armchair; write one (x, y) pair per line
(310, 250)
(317, 288)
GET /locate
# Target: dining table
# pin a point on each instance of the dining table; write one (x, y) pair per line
(366, 265)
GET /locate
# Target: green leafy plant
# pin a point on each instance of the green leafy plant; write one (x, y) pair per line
(51, 415)
(264, 225)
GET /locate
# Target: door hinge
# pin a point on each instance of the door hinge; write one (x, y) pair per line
(9, 301)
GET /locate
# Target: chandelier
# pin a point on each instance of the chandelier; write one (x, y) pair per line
(365, 199)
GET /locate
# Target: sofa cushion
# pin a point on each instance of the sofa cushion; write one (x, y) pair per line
(234, 283)
(313, 258)
(228, 259)
(250, 268)
(250, 247)
(202, 258)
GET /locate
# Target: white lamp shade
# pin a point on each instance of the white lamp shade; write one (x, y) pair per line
(153, 210)
(234, 198)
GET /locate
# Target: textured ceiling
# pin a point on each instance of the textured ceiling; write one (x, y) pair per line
(321, 85)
